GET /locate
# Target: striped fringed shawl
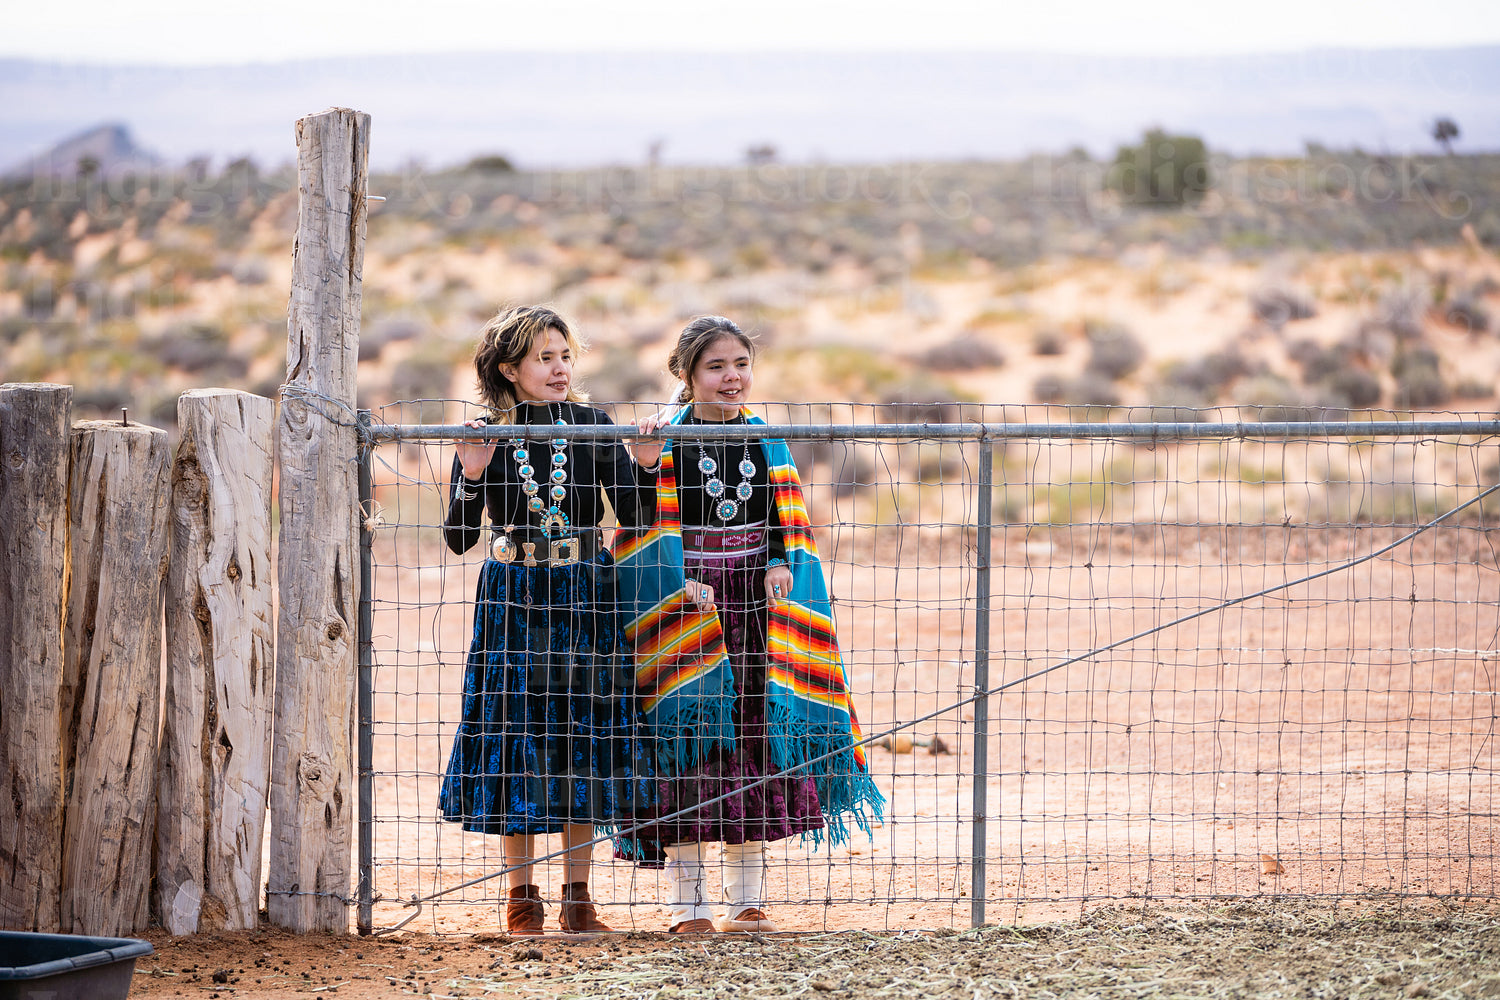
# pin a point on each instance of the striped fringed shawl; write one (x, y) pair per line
(683, 675)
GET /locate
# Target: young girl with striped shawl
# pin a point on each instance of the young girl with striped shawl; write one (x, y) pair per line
(737, 664)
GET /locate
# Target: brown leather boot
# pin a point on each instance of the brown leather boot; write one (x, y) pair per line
(578, 914)
(523, 911)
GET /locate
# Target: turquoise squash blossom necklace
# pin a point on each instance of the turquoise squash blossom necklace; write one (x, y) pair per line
(726, 507)
(554, 518)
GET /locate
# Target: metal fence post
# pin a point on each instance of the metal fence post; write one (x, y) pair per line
(365, 919)
(980, 831)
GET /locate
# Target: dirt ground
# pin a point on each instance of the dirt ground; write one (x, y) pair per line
(1294, 798)
(1286, 949)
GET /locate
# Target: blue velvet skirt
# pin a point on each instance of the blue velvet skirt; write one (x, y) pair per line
(551, 732)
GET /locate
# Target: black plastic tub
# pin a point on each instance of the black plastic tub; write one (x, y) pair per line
(67, 966)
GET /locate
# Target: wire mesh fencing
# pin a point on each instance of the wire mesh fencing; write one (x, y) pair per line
(1222, 657)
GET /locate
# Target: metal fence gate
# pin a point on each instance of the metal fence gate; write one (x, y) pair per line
(1094, 661)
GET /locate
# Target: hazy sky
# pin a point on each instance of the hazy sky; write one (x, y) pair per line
(192, 32)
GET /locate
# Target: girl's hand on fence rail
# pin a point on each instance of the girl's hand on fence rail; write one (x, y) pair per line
(475, 454)
(647, 454)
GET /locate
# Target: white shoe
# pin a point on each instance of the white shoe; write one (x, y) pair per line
(752, 919)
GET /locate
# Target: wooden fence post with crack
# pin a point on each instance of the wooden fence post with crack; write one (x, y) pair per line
(312, 760)
(119, 482)
(216, 729)
(33, 592)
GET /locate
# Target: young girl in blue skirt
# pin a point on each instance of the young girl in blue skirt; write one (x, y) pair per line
(550, 737)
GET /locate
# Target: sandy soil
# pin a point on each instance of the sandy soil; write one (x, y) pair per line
(1291, 949)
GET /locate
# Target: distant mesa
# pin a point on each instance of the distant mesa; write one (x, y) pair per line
(106, 149)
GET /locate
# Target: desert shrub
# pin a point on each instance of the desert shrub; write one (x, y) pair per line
(1320, 364)
(966, 352)
(1414, 357)
(1047, 342)
(250, 271)
(163, 412)
(92, 299)
(939, 461)
(38, 300)
(1114, 351)
(492, 163)
(1350, 388)
(1174, 396)
(1170, 415)
(1420, 387)
(426, 375)
(1271, 397)
(918, 403)
(1162, 170)
(621, 378)
(1400, 311)
(1090, 388)
(1467, 312)
(567, 277)
(1209, 376)
(193, 347)
(1303, 351)
(12, 327)
(1473, 388)
(1277, 305)
(389, 330)
(751, 257)
(106, 303)
(1267, 389)
(1048, 387)
(101, 401)
(1369, 342)
(850, 469)
(864, 375)
(1488, 228)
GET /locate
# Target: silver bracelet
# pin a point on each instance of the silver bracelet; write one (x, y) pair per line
(468, 493)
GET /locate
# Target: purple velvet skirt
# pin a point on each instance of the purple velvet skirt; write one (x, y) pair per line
(733, 563)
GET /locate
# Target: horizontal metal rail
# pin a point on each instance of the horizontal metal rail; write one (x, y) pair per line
(1244, 430)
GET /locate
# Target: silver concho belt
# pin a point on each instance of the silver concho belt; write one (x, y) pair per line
(525, 545)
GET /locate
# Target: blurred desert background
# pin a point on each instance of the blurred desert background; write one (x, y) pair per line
(1307, 284)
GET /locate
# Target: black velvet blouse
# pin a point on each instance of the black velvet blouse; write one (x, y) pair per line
(697, 506)
(592, 466)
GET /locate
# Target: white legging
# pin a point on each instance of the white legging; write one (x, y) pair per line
(744, 879)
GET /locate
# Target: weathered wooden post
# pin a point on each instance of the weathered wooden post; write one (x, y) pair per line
(312, 762)
(117, 518)
(33, 591)
(216, 727)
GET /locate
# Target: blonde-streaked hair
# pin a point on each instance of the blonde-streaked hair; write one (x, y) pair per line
(507, 339)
